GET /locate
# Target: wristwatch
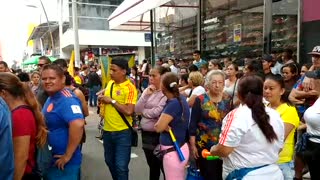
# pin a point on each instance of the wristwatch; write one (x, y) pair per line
(113, 101)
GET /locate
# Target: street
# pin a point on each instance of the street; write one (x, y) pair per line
(93, 165)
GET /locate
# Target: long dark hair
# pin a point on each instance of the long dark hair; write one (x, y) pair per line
(279, 79)
(171, 82)
(16, 88)
(250, 91)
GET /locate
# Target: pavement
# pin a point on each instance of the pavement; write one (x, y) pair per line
(93, 165)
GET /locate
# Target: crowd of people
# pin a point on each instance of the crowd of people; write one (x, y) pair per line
(256, 120)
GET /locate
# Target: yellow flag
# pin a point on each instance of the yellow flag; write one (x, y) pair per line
(105, 70)
(131, 61)
(71, 65)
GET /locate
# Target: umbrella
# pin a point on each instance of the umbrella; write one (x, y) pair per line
(35, 60)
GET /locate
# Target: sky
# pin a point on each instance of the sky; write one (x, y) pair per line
(15, 18)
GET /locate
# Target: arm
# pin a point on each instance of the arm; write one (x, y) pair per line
(163, 122)
(75, 135)
(191, 100)
(221, 150)
(21, 152)
(156, 110)
(126, 109)
(195, 116)
(295, 95)
(287, 129)
(83, 101)
(141, 102)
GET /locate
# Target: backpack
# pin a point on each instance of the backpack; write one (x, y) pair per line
(43, 155)
(43, 160)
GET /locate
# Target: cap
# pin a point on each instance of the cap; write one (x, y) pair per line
(122, 63)
(315, 51)
(313, 74)
(267, 57)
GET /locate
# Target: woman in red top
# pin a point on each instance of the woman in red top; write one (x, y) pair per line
(28, 125)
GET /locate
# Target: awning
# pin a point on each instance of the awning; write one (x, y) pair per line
(133, 15)
(43, 28)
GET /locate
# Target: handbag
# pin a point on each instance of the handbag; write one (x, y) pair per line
(301, 145)
(134, 133)
(160, 153)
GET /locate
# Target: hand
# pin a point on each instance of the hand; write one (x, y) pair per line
(194, 150)
(307, 84)
(104, 99)
(101, 92)
(313, 93)
(151, 89)
(62, 160)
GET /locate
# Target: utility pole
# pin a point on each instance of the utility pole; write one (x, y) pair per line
(76, 35)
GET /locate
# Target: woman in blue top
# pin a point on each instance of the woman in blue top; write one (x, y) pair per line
(65, 122)
(175, 116)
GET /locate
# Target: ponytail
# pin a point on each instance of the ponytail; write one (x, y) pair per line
(250, 90)
(170, 81)
(41, 137)
(260, 116)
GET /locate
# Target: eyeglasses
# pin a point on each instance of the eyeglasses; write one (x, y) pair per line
(40, 65)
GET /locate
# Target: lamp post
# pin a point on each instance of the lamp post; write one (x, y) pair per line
(49, 26)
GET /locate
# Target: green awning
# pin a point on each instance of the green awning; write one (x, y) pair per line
(35, 60)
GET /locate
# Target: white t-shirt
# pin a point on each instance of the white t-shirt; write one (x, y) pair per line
(252, 149)
(312, 118)
(197, 91)
(174, 69)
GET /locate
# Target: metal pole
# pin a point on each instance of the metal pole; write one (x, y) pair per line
(49, 27)
(152, 39)
(60, 8)
(76, 35)
(267, 26)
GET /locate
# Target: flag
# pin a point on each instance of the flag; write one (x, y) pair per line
(130, 57)
(105, 70)
(71, 65)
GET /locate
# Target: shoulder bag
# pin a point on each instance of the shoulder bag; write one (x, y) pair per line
(134, 134)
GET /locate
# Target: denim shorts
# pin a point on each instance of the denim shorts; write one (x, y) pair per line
(287, 170)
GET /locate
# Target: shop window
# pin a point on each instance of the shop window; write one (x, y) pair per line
(232, 28)
(176, 28)
(284, 26)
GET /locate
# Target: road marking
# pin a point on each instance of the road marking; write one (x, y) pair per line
(132, 155)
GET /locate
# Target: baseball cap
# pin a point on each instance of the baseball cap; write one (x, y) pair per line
(315, 51)
(313, 74)
(267, 57)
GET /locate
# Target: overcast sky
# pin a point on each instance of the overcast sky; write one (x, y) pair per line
(15, 17)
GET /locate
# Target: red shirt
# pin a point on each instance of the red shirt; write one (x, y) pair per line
(24, 124)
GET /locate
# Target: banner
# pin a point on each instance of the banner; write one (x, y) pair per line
(71, 65)
(105, 62)
(105, 70)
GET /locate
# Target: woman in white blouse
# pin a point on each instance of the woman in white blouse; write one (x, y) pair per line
(252, 136)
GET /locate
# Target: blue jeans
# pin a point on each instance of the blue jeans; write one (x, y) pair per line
(71, 172)
(92, 95)
(287, 170)
(117, 150)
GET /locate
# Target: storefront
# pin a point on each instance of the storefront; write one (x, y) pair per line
(234, 28)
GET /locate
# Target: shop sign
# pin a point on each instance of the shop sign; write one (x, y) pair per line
(237, 33)
(147, 37)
